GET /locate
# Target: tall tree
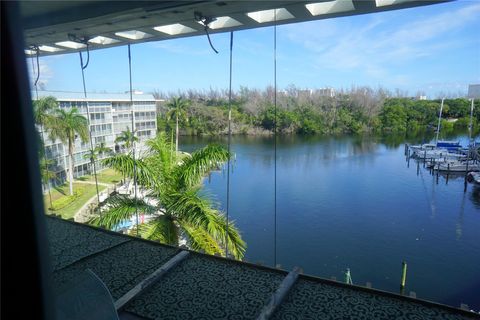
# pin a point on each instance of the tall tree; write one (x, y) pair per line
(127, 137)
(100, 150)
(66, 125)
(42, 114)
(47, 175)
(178, 110)
(179, 210)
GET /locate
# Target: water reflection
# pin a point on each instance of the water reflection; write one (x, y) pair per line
(475, 196)
(351, 201)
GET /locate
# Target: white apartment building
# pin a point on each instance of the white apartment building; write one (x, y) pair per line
(110, 114)
(325, 92)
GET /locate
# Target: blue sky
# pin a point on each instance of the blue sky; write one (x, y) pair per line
(435, 49)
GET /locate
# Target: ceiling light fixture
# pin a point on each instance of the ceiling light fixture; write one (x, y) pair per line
(174, 29)
(270, 15)
(329, 7)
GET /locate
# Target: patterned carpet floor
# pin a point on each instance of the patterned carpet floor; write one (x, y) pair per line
(206, 287)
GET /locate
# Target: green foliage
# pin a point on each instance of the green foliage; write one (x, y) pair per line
(43, 110)
(173, 180)
(45, 165)
(352, 112)
(463, 123)
(127, 137)
(66, 125)
(446, 126)
(66, 200)
(394, 118)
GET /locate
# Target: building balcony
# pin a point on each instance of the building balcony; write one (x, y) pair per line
(208, 287)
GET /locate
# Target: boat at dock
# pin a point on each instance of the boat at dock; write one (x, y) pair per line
(436, 154)
(457, 166)
(417, 149)
(449, 145)
(474, 178)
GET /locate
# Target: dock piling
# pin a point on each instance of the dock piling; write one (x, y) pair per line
(404, 277)
(464, 306)
(348, 277)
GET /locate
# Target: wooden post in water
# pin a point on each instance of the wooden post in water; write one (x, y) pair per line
(418, 167)
(348, 277)
(424, 157)
(466, 172)
(404, 277)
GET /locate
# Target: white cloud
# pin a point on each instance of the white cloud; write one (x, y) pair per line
(340, 45)
(46, 73)
(177, 48)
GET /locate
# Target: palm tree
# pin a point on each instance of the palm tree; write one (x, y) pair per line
(179, 210)
(47, 175)
(178, 108)
(65, 126)
(43, 108)
(100, 150)
(42, 114)
(127, 137)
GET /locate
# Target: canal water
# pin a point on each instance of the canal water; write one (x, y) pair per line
(354, 202)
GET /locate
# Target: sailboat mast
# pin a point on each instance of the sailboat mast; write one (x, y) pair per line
(439, 119)
(470, 125)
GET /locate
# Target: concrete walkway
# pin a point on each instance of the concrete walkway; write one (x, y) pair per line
(93, 182)
(82, 215)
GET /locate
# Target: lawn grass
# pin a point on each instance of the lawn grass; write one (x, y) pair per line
(109, 176)
(88, 191)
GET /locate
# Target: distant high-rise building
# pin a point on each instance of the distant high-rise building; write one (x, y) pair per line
(326, 92)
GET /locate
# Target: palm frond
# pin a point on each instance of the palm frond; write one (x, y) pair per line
(160, 155)
(127, 137)
(161, 229)
(120, 209)
(200, 240)
(90, 155)
(177, 108)
(64, 124)
(191, 171)
(124, 164)
(236, 245)
(191, 208)
(42, 109)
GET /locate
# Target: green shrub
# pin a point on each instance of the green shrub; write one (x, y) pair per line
(66, 200)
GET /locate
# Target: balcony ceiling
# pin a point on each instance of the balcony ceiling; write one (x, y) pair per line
(106, 24)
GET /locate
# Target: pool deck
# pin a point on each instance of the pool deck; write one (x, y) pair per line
(207, 287)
